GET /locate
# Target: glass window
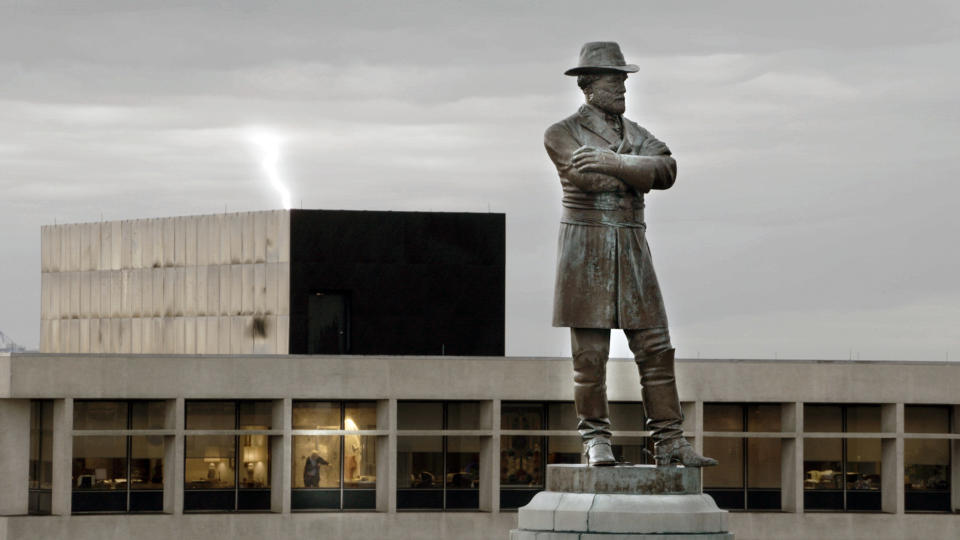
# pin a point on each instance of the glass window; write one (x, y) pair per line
(210, 462)
(561, 415)
(722, 417)
(211, 415)
(632, 449)
(420, 415)
(99, 414)
(521, 415)
(764, 418)
(927, 475)
(256, 415)
(521, 461)
(748, 476)
(148, 415)
(100, 465)
(464, 415)
(626, 417)
(360, 415)
(823, 471)
(863, 419)
(420, 472)
(41, 456)
(462, 472)
(316, 415)
(926, 419)
(564, 449)
(822, 418)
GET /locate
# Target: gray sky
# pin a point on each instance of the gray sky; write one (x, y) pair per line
(815, 213)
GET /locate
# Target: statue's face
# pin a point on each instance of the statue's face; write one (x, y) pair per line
(607, 93)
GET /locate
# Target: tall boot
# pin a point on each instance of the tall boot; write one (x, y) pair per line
(664, 417)
(590, 350)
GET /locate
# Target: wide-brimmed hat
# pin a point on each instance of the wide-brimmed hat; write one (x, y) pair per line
(600, 56)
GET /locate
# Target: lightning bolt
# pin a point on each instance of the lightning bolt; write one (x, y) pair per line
(268, 147)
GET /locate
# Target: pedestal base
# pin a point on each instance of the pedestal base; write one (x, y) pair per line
(624, 502)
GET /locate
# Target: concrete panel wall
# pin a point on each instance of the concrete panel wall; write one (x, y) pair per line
(181, 285)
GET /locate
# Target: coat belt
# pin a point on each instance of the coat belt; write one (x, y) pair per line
(620, 217)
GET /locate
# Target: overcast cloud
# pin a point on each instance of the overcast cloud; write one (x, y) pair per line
(815, 214)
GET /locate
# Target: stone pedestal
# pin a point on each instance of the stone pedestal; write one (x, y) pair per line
(619, 503)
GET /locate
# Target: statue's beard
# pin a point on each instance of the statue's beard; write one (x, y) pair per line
(608, 102)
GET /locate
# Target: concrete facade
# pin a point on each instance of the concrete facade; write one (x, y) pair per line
(490, 380)
(180, 285)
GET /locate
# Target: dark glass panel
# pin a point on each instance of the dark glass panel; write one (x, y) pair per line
(360, 415)
(515, 498)
(359, 462)
(316, 415)
(863, 419)
(210, 462)
(863, 465)
(359, 499)
(521, 461)
(253, 499)
(926, 419)
(211, 415)
(256, 414)
(463, 462)
(419, 415)
(40, 501)
(822, 418)
(316, 461)
(41, 450)
(146, 501)
(729, 452)
(564, 449)
(521, 416)
(722, 417)
(100, 463)
(728, 499)
(420, 462)
(146, 462)
(822, 464)
(763, 463)
(864, 501)
(561, 415)
(99, 501)
(927, 501)
(463, 499)
(99, 414)
(464, 415)
(632, 449)
(926, 464)
(419, 499)
(764, 417)
(763, 499)
(315, 499)
(209, 500)
(823, 499)
(626, 416)
(148, 414)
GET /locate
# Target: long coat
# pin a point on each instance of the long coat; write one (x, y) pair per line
(605, 276)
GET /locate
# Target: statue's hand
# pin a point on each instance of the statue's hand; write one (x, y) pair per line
(590, 159)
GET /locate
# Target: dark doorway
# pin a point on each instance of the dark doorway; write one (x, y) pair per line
(329, 323)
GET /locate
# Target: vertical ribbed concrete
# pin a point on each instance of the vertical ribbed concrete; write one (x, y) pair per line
(624, 502)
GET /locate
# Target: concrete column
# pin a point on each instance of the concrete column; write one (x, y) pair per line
(387, 456)
(490, 457)
(173, 456)
(281, 457)
(14, 456)
(693, 421)
(891, 473)
(791, 458)
(62, 457)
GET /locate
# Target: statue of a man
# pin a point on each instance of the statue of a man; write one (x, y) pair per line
(605, 276)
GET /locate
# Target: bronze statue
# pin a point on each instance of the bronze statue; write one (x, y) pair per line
(605, 276)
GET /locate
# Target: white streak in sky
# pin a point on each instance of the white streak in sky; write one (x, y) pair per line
(268, 146)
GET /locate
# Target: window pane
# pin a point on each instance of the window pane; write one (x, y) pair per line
(564, 449)
(359, 462)
(255, 460)
(99, 414)
(146, 462)
(316, 461)
(360, 415)
(926, 464)
(521, 416)
(631, 449)
(718, 417)
(41, 444)
(148, 414)
(99, 463)
(821, 463)
(419, 462)
(419, 415)
(256, 414)
(210, 462)
(729, 452)
(521, 461)
(763, 417)
(463, 415)
(211, 415)
(463, 462)
(926, 419)
(763, 463)
(626, 416)
(316, 415)
(561, 415)
(819, 418)
(863, 419)
(863, 464)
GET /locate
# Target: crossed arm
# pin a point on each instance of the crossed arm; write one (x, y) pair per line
(599, 169)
